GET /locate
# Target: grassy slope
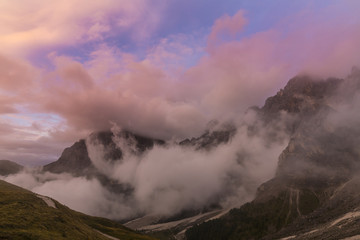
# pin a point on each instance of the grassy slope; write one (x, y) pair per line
(25, 216)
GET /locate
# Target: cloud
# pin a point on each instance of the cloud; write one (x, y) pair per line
(24, 146)
(15, 73)
(240, 71)
(7, 105)
(27, 26)
(226, 25)
(138, 97)
(161, 95)
(167, 179)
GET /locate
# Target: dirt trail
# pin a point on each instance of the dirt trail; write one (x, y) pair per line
(47, 200)
(108, 236)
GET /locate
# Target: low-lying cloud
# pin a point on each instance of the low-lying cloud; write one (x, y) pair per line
(168, 179)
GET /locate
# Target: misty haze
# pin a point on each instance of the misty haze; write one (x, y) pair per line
(178, 120)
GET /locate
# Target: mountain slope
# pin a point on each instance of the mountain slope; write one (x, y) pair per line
(315, 190)
(25, 215)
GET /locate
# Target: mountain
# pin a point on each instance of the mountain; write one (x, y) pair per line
(315, 192)
(8, 167)
(26, 215)
(75, 159)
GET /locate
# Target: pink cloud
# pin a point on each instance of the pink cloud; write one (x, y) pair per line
(226, 25)
(239, 73)
(7, 105)
(72, 74)
(152, 96)
(41, 24)
(24, 145)
(142, 95)
(15, 73)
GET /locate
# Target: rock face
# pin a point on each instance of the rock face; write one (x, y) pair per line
(8, 167)
(316, 187)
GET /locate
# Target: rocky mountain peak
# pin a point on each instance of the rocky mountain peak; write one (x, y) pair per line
(302, 94)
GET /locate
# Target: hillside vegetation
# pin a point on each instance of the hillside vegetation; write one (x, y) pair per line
(25, 215)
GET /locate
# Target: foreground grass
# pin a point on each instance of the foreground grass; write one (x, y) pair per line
(23, 215)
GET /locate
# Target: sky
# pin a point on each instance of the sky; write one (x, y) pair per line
(162, 69)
